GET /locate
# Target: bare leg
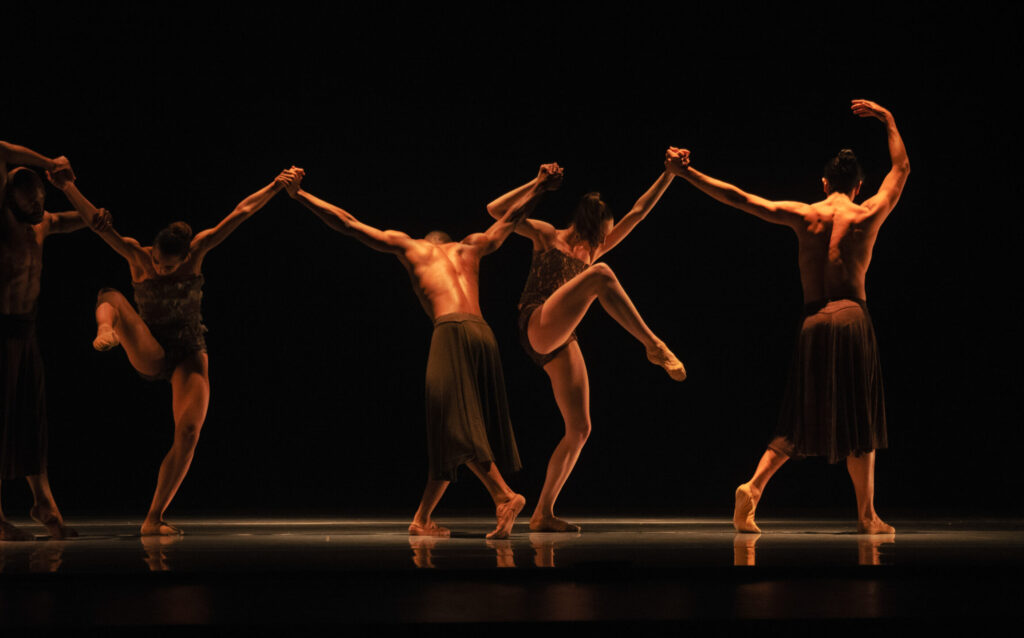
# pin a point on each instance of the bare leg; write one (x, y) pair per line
(421, 524)
(552, 323)
(117, 322)
(568, 374)
(190, 387)
(748, 494)
(862, 473)
(44, 511)
(507, 503)
(9, 532)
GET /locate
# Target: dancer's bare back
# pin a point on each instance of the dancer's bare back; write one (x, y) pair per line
(836, 236)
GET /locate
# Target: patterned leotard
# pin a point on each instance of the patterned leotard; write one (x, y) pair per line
(171, 308)
(549, 269)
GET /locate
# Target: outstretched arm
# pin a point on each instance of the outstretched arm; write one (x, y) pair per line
(677, 161)
(881, 203)
(549, 174)
(388, 241)
(15, 154)
(99, 220)
(636, 214)
(211, 237)
(492, 238)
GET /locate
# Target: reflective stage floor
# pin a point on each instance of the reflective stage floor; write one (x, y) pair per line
(267, 574)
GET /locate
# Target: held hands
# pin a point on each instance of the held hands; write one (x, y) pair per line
(291, 180)
(102, 221)
(549, 177)
(677, 160)
(867, 108)
(60, 173)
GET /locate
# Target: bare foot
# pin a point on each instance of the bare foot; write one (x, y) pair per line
(660, 355)
(874, 525)
(160, 528)
(743, 515)
(53, 522)
(430, 529)
(551, 524)
(106, 338)
(506, 514)
(9, 532)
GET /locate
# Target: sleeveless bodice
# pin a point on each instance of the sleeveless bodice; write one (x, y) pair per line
(166, 301)
(549, 269)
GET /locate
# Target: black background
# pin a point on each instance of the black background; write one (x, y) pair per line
(415, 119)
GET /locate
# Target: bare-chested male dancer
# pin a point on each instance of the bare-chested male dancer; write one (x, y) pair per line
(834, 405)
(24, 225)
(467, 412)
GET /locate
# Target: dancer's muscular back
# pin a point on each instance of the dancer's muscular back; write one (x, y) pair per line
(836, 236)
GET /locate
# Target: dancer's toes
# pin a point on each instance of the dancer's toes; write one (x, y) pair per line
(743, 514)
(53, 523)
(430, 529)
(160, 528)
(506, 514)
(105, 339)
(552, 524)
(9, 532)
(660, 355)
(875, 525)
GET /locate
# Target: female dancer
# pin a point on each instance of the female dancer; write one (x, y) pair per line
(164, 338)
(563, 281)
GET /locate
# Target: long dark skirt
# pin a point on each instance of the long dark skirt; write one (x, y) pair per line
(22, 399)
(467, 410)
(834, 404)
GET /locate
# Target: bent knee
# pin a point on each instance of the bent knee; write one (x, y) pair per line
(578, 432)
(109, 295)
(603, 271)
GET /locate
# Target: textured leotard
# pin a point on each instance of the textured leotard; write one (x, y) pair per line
(171, 308)
(549, 269)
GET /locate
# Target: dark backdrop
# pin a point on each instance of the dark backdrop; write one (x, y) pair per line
(415, 121)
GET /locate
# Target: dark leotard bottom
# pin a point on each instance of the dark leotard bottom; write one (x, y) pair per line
(524, 339)
(834, 404)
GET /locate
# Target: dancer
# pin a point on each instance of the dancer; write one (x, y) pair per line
(834, 405)
(564, 281)
(467, 412)
(24, 226)
(164, 337)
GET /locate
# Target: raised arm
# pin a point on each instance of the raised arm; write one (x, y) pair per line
(881, 203)
(15, 154)
(205, 240)
(516, 212)
(549, 174)
(636, 214)
(786, 213)
(388, 241)
(98, 220)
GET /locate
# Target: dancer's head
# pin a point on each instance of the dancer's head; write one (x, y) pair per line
(171, 247)
(438, 237)
(592, 219)
(25, 195)
(843, 174)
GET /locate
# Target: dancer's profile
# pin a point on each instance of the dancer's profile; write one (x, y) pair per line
(24, 226)
(834, 405)
(564, 281)
(467, 410)
(164, 338)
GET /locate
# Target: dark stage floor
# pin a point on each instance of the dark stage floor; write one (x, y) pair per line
(690, 572)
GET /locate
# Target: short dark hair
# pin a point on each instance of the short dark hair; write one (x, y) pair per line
(843, 172)
(438, 236)
(589, 217)
(23, 177)
(175, 240)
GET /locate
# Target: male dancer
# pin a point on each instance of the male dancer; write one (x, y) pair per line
(834, 405)
(467, 412)
(24, 225)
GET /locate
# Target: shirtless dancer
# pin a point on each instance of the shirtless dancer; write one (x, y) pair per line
(834, 406)
(24, 225)
(467, 412)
